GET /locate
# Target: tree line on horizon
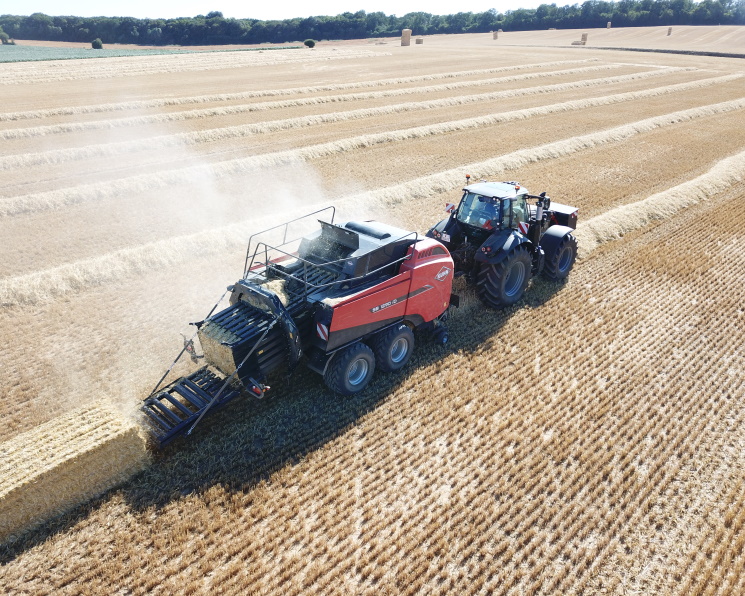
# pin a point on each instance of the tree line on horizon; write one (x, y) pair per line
(214, 29)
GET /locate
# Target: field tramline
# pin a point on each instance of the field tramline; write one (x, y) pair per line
(586, 440)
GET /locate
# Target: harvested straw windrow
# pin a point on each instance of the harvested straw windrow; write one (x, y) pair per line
(174, 101)
(64, 462)
(40, 285)
(614, 223)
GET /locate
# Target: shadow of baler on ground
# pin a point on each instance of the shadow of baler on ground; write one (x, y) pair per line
(248, 440)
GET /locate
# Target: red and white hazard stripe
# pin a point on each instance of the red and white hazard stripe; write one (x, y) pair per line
(323, 331)
(523, 226)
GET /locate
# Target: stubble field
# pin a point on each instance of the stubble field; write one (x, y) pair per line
(588, 440)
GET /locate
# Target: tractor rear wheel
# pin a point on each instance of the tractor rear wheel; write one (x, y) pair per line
(393, 347)
(560, 261)
(504, 283)
(351, 369)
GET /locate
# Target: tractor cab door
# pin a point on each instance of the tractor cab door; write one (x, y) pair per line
(516, 214)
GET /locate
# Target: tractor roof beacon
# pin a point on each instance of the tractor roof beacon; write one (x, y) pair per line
(345, 299)
(499, 240)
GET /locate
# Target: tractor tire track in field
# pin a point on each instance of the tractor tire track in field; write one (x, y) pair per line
(241, 131)
(157, 103)
(90, 192)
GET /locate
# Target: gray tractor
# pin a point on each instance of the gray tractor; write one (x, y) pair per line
(499, 240)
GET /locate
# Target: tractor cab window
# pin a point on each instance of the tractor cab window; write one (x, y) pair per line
(520, 211)
(515, 211)
(478, 211)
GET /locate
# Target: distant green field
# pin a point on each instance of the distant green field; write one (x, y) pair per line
(9, 53)
(17, 53)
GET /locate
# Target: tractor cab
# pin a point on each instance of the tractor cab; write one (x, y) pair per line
(493, 206)
(500, 241)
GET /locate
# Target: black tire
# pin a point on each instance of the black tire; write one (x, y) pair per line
(393, 347)
(560, 262)
(441, 336)
(350, 370)
(504, 283)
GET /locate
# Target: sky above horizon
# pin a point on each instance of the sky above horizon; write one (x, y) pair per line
(142, 9)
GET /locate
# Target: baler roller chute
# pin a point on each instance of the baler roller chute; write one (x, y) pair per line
(172, 411)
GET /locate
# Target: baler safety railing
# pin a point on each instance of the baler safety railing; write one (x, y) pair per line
(247, 267)
(267, 264)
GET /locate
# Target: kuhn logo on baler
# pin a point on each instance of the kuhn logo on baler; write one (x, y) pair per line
(442, 274)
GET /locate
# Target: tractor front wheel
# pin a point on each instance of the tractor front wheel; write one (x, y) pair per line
(561, 260)
(504, 283)
(393, 347)
(350, 370)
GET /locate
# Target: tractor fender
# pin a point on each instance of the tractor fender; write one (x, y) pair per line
(553, 237)
(441, 225)
(500, 244)
(444, 231)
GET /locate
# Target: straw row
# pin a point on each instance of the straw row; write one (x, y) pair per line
(613, 224)
(106, 68)
(36, 131)
(148, 182)
(40, 285)
(220, 97)
(221, 134)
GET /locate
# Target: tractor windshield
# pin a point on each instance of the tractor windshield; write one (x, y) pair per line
(478, 211)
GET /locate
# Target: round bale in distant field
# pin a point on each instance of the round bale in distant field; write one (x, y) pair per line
(406, 37)
(495, 35)
(419, 41)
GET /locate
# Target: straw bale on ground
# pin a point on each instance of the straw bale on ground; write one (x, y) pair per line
(64, 462)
